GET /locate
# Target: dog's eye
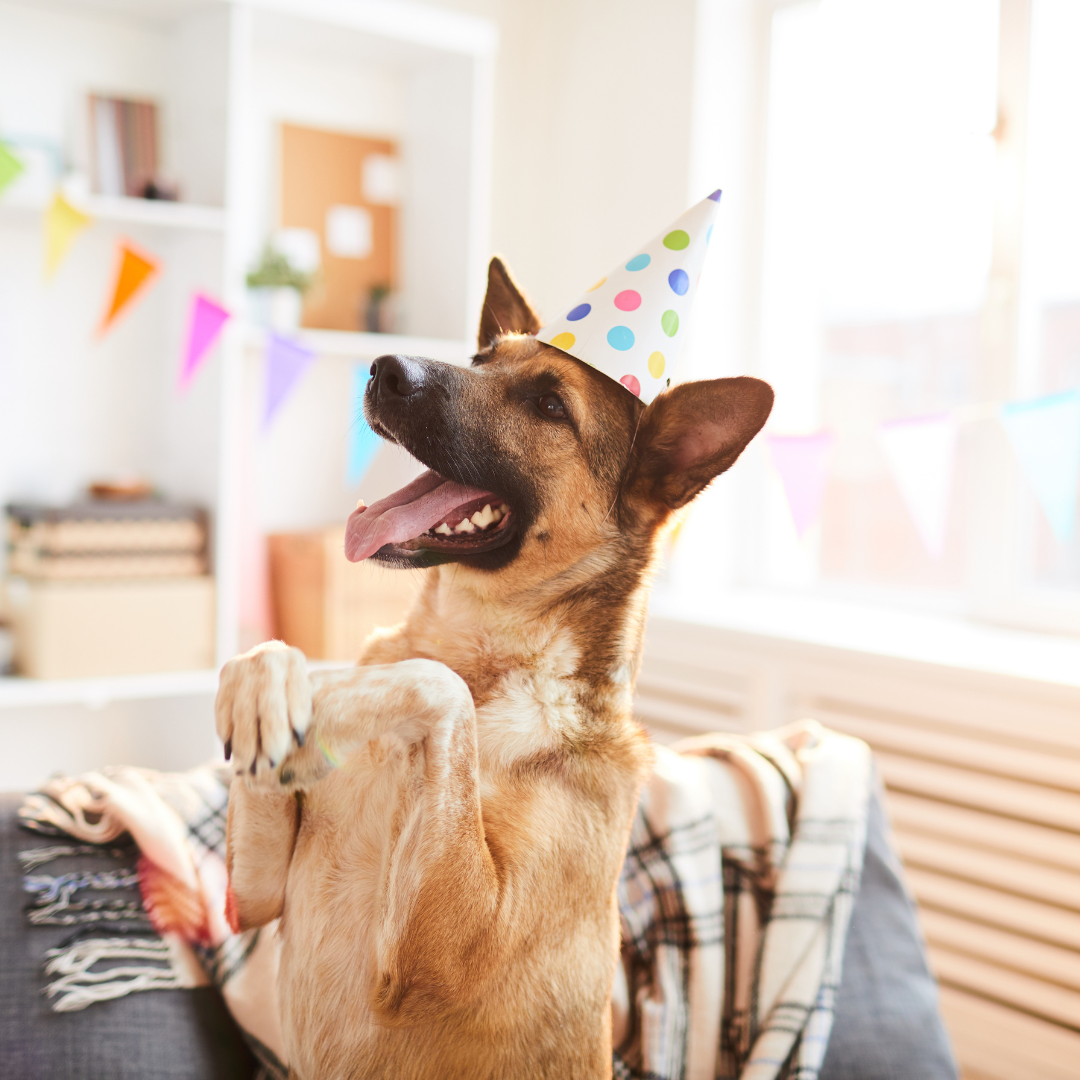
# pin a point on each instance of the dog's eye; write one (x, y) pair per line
(551, 406)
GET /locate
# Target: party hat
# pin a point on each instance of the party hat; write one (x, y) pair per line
(631, 325)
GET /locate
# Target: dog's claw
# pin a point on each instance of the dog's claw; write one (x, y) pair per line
(298, 736)
(254, 766)
(286, 776)
(228, 749)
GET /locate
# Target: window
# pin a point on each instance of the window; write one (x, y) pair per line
(918, 253)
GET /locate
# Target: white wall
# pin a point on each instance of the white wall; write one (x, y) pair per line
(592, 133)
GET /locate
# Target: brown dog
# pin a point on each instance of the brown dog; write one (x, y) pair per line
(440, 829)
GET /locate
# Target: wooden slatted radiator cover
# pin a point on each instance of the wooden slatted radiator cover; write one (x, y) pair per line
(983, 780)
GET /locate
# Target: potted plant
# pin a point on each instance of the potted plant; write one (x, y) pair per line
(276, 290)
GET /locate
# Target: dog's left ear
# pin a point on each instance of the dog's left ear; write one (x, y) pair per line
(692, 433)
(505, 311)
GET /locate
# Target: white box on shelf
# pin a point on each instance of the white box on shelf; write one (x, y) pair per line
(83, 629)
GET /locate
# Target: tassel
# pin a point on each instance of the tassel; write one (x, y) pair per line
(78, 986)
(36, 857)
(54, 906)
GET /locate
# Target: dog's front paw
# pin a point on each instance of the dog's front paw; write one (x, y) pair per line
(263, 709)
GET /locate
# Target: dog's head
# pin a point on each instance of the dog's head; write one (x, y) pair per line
(540, 467)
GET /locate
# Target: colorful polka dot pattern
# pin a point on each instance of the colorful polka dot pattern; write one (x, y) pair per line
(631, 324)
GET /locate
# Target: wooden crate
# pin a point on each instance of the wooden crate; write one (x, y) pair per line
(327, 606)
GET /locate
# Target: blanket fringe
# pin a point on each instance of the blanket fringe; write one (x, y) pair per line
(79, 986)
(54, 903)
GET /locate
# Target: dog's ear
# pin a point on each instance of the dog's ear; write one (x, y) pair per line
(692, 433)
(505, 310)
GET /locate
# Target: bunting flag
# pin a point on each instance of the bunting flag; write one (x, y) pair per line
(286, 361)
(10, 167)
(62, 224)
(363, 442)
(205, 323)
(922, 455)
(802, 462)
(135, 270)
(1045, 435)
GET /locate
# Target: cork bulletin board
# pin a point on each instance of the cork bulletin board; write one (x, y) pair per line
(325, 188)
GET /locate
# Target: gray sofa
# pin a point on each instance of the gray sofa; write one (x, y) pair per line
(887, 1024)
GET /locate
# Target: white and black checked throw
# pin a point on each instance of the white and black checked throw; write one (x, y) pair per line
(735, 898)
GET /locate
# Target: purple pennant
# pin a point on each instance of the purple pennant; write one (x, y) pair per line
(286, 362)
(802, 462)
(204, 325)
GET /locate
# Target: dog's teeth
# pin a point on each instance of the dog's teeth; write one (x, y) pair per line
(489, 515)
(478, 520)
(504, 508)
(465, 526)
(444, 530)
(496, 514)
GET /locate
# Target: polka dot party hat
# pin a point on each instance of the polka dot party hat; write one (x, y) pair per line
(631, 324)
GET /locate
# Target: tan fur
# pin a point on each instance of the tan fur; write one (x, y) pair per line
(445, 864)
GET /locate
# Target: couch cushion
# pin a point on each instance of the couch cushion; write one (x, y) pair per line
(887, 1025)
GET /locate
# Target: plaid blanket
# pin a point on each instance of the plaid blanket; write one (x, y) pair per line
(735, 897)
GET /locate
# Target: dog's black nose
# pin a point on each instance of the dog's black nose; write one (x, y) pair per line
(396, 376)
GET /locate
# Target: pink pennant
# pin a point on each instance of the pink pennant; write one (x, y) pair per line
(204, 326)
(802, 462)
(286, 361)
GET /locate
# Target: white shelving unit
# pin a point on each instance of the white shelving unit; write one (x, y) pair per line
(74, 407)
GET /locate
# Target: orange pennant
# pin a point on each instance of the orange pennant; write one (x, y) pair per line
(135, 269)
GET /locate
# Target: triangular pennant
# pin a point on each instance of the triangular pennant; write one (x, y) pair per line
(286, 361)
(205, 323)
(363, 442)
(922, 455)
(135, 269)
(1045, 435)
(631, 325)
(63, 222)
(10, 167)
(802, 462)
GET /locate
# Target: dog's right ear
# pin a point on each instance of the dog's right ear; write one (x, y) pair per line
(505, 310)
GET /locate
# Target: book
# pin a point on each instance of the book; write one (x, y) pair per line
(124, 140)
(107, 540)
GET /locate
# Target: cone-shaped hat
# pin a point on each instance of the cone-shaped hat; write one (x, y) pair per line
(631, 324)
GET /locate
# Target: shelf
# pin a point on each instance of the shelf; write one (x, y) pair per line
(98, 692)
(152, 212)
(361, 346)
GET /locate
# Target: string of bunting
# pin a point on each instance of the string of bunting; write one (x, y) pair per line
(1044, 434)
(136, 270)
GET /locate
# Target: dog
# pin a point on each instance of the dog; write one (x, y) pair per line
(440, 829)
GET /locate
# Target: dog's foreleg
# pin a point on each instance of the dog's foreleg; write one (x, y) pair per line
(439, 929)
(263, 704)
(261, 836)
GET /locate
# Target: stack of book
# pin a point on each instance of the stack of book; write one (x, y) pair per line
(108, 588)
(125, 146)
(100, 540)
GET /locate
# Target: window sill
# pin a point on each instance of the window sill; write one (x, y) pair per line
(955, 644)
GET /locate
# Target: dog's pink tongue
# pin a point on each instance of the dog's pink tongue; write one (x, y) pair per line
(407, 513)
